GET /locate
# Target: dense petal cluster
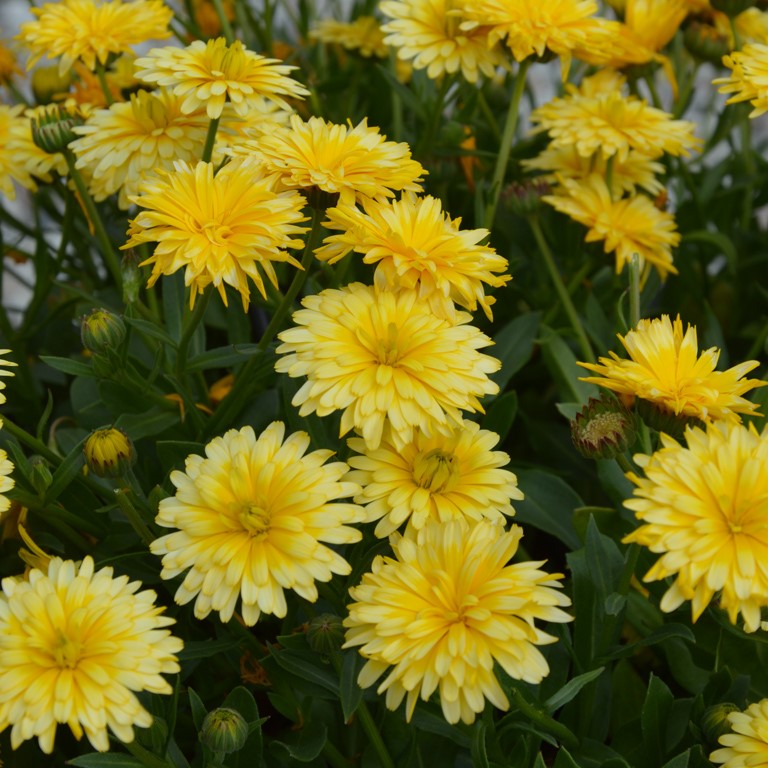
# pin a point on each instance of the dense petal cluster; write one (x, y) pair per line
(363, 35)
(747, 744)
(415, 244)
(377, 356)
(427, 32)
(220, 228)
(208, 75)
(76, 645)
(441, 477)
(445, 609)
(91, 30)
(665, 368)
(748, 80)
(703, 509)
(250, 517)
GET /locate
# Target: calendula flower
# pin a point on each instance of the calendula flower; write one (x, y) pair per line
(427, 32)
(415, 244)
(355, 163)
(76, 645)
(749, 77)
(441, 477)
(7, 483)
(747, 744)
(665, 368)
(130, 141)
(703, 508)
(3, 365)
(751, 27)
(220, 229)
(363, 35)
(251, 516)
(628, 226)
(208, 75)
(445, 609)
(377, 356)
(92, 30)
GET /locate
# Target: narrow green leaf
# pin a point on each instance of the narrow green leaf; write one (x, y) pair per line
(151, 422)
(66, 365)
(198, 709)
(513, 345)
(350, 692)
(501, 414)
(150, 329)
(653, 720)
(43, 420)
(571, 689)
(173, 453)
(562, 365)
(305, 668)
(204, 649)
(222, 357)
(105, 760)
(307, 744)
(66, 472)
(479, 751)
(681, 761)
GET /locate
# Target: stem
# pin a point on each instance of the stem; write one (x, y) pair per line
(369, 726)
(562, 292)
(428, 137)
(145, 756)
(110, 257)
(210, 139)
(634, 290)
(544, 721)
(134, 517)
(189, 330)
(623, 462)
(334, 757)
(749, 166)
(102, 75)
(226, 27)
(502, 159)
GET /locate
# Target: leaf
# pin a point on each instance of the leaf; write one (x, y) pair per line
(150, 329)
(204, 649)
(660, 635)
(174, 453)
(653, 720)
(307, 744)
(562, 365)
(198, 709)
(501, 414)
(149, 423)
(105, 760)
(425, 720)
(681, 761)
(479, 750)
(300, 665)
(222, 357)
(571, 689)
(350, 692)
(66, 365)
(241, 699)
(513, 345)
(66, 472)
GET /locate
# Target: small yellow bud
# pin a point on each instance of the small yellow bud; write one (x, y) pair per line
(102, 331)
(109, 452)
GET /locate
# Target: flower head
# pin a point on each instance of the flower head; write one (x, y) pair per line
(251, 516)
(208, 75)
(703, 509)
(377, 356)
(363, 35)
(631, 225)
(447, 607)
(3, 372)
(749, 77)
(76, 645)
(415, 244)
(109, 452)
(665, 369)
(427, 32)
(91, 30)
(441, 477)
(747, 744)
(7, 483)
(220, 228)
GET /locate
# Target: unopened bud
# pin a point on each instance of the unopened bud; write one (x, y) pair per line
(47, 83)
(603, 428)
(52, 127)
(705, 42)
(102, 331)
(109, 452)
(224, 731)
(325, 634)
(524, 198)
(715, 722)
(41, 476)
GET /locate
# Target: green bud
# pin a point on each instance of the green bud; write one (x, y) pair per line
(715, 722)
(224, 731)
(41, 476)
(52, 127)
(101, 331)
(603, 428)
(325, 634)
(131, 274)
(109, 452)
(524, 198)
(705, 42)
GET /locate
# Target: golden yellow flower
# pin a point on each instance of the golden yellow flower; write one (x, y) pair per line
(438, 477)
(415, 244)
(751, 26)
(3, 365)
(109, 452)
(628, 226)
(665, 368)
(129, 142)
(703, 507)
(251, 515)
(76, 645)
(208, 75)
(747, 744)
(445, 609)
(7, 483)
(749, 77)
(363, 34)
(377, 356)
(92, 30)
(221, 229)
(428, 33)
(355, 163)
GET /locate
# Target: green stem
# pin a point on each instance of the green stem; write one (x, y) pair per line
(145, 757)
(634, 290)
(562, 292)
(654, 93)
(428, 137)
(226, 27)
(190, 327)
(210, 139)
(372, 732)
(102, 75)
(507, 137)
(544, 721)
(133, 515)
(623, 462)
(490, 118)
(334, 757)
(110, 257)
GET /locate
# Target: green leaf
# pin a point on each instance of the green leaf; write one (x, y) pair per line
(241, 700)
(660, 635)
(565, 760)
(501, 414)
(425, 720)
(204, 649)
(721, 243)
(561, 363)
(173, 453)
(681, 761)
(66, 472)
(479, 751)
(66, 365)
(305, 667)
(350, 692)
(151, 422)
(307, 744)
(174, 300)
(222, 357)
(198, 709)
(513, 345)
(653, 720)
(105, 760)
(150, 329)
(571, 689)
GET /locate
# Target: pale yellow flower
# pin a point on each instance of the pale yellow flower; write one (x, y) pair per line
(3, 373)
(7, 483)
(363, 35)
(746, 746)
(446, 608)
(749, 77)
(251, 516)
(76, 645)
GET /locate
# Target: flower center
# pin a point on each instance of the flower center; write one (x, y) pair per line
(388, 351)
(255, 520)
(216, 232)
(436, 471)
(66, 651)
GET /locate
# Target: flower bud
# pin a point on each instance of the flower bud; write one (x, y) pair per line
(47, 83)
(705, 42)
(52, 127)
(102, 331)
(325, 634)
(662, 420)
(40, 476)
(224, 730)
(715, 722)
(603, 428)
(524, 198)
(109, 452)
(132, 280)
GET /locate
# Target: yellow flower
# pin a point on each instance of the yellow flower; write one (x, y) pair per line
(130, 141)
(664, 368)
(445, 609)
(632, 225)
(109, 452)
(251, 515)
(208, 75)
(747, 745)
(751, 26)
(427, 32)
(92, 30)
(354, 163)
(703, 509)
(7, 483)
(220, 228)
(75, 644)
(613, 123)
(441, 477)
(415, 244)
(5, 364)
(378, 356)
(363, 35)
(749, 77)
